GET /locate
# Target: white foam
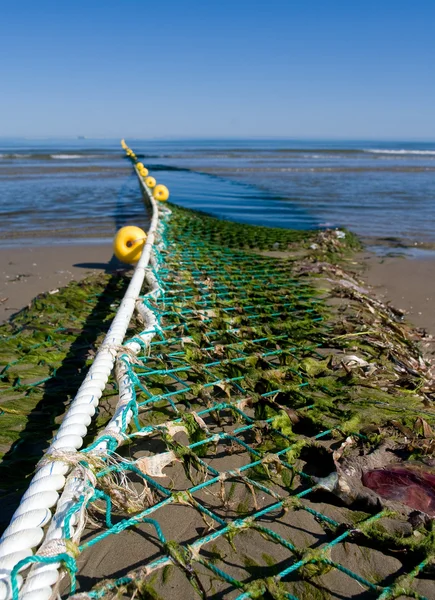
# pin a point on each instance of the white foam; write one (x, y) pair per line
(424, 152)
(65, 156)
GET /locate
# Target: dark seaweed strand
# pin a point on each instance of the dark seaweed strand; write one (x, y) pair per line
(242, 365)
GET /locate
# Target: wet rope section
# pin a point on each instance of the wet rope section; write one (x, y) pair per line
(265, 441)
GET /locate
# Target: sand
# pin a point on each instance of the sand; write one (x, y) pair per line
(408, 283)
(27, 272)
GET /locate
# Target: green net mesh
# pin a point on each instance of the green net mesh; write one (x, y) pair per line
(224, 483)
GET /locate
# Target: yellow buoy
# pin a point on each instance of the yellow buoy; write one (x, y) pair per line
(140, 166)
(128, 244)
(150, 182)
(143, 172)
(161, 192)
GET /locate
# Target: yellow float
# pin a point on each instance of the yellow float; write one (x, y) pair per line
(128, 244)
(161, 192)
(140, 166)
(150, 182)
(143, 172)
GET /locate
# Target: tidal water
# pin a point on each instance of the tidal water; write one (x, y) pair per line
(68, 191)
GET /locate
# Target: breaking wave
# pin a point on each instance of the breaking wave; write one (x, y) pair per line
(66, 156)
(418, 152)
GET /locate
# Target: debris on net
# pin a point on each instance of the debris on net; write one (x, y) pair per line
(282, 438)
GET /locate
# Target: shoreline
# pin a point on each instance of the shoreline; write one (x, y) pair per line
(29, 271)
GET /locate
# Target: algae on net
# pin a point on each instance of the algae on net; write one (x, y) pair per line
(283, 378)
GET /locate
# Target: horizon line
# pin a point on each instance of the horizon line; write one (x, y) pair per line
(76, 137)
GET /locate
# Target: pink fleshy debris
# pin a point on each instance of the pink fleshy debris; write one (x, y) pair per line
(412, 484)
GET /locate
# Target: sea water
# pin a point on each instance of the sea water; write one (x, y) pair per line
(67, 191)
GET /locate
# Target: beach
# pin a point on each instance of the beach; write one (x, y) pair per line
(217, 320)
(281, 323)
(309, 526)
(63, 201)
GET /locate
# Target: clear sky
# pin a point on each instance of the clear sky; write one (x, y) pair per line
(205, 68)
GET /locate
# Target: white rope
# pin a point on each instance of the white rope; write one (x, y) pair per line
(25, 531)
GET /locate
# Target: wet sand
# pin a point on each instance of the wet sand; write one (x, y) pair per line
(408, 283)
(27, 272)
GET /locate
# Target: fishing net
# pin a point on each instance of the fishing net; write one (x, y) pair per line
(264, 385)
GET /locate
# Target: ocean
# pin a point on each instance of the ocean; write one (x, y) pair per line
(70, 191)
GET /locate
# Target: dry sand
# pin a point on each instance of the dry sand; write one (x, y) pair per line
(27, 272)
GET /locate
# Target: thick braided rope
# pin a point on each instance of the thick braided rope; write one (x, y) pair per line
(25, 531)
(43, 576)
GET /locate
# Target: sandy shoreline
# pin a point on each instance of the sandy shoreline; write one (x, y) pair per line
(27, 272)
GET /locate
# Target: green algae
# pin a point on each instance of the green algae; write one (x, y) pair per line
(294, 392)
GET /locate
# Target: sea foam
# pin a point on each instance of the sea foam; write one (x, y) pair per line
(65, 156)
(419, 152)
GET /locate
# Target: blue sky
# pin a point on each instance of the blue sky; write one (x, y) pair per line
(181, 68)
